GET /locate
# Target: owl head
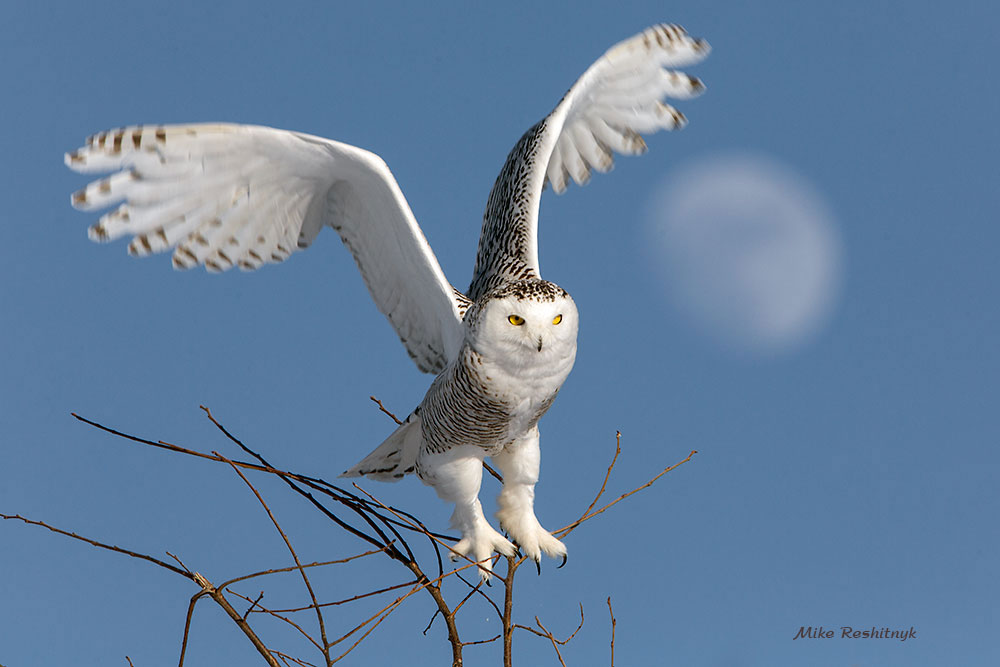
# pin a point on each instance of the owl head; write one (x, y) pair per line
(527, 322)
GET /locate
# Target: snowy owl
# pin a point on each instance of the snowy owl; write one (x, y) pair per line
(237, 195)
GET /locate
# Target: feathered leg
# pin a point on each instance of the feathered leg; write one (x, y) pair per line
(456, 475)
(519, 463)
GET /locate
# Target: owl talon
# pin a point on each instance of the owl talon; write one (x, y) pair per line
(559, 566)
(532, 539)
(538, 566)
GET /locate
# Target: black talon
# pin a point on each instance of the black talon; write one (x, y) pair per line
(562, 563)
(487, 581)
(538, 566)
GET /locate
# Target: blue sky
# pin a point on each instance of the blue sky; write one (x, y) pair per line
(847, 480)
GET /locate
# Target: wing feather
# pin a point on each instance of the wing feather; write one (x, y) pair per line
(237, 195)
(616, 99)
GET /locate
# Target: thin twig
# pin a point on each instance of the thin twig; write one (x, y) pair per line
(269, 612)
(493, 472)
(566, 530)
(383, 409)
(102, 545)
(431, 622)
(483, 594)
(291, 550)
(613, 623)
(369, 631)
(286, 658)
(180, 562)
(555, 644)
(253, 604)
(350, 599)
(561, 642)
(607, 475)
(293, 568)
(475, 589)
(482, 641)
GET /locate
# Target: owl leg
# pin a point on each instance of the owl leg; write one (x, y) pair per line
(519, 462)
(456, 475)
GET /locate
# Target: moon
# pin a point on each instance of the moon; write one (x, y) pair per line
(749, 252)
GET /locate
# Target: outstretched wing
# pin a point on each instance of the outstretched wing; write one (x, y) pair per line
(617, 98)
(239, 195)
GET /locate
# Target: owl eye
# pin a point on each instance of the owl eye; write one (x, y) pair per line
(516, 320)
(557, 319)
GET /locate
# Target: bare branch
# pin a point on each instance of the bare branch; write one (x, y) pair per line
(379, 525)
(291, 550)
(187, 625)
(508, 608)
(221, 600)
(102, 545)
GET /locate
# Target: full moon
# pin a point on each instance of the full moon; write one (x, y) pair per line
(749, 252)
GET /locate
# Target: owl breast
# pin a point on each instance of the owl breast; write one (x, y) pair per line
(478, 401)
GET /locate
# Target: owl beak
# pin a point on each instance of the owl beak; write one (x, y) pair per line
(539, 343)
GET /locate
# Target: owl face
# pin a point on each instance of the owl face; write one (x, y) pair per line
(527, 330)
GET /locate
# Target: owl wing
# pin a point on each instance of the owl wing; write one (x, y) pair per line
(618, 97)
(238, 195)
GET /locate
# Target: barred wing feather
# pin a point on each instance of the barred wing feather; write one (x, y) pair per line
(238, 195)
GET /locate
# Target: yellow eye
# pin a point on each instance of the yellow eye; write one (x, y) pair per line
(557, 319)
(516, 320)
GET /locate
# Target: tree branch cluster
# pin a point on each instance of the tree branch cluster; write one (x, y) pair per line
(386, 531)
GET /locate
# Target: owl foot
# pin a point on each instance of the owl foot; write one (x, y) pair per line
(530, 536)
(478, 544)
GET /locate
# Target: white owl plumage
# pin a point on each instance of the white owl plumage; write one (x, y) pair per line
(228, 195)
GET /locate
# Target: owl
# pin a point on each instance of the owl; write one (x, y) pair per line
(238, 195)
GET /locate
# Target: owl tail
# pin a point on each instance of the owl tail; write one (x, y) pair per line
(395, 457)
